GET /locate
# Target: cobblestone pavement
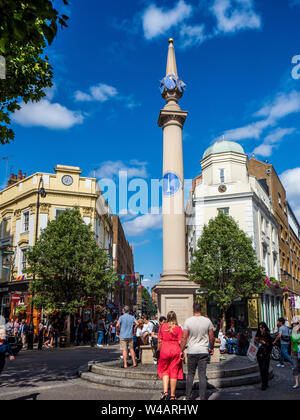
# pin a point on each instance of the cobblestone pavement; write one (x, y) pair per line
(51, 374)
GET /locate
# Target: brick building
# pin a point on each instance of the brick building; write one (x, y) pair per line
(123, 264)
(288, 233)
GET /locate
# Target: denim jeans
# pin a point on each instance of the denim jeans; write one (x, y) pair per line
(284, 354)
(197, 361)
(100, 337)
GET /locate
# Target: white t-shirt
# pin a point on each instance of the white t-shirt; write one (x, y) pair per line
(198, 328)
(139, 332)
(148, 328)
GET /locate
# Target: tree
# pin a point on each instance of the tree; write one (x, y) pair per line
(148, 306)
(68, 268)
(225, 264)
(26, 28)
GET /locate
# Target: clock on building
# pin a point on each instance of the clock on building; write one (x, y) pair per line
(222, 188)
(67, 180)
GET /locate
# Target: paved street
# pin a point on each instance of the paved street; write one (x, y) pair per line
(52, 375)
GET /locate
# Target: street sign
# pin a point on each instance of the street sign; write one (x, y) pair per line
(16, 298)
(8, 253)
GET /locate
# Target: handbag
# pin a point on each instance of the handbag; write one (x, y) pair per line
(252, 352)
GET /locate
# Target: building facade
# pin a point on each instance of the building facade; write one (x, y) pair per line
(123, 263)
(65, 189)
(226, 186)
(288, 234)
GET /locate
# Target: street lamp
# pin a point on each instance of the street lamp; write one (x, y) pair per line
(41, 193)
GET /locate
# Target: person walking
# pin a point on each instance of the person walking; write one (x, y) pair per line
(169, 366)
(198, 335)
(5, 348)
(264, 339)
(41, 335)
(24, 332)
(295, 340)
(101, 331)
(284, 337)
(125, 326)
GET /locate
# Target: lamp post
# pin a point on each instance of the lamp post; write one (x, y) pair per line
(41, 193)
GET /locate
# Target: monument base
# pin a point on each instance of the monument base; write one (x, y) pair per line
(176, 295)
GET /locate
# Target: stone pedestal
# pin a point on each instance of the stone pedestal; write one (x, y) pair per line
(177, 296)
(146, 355)
(215, 358)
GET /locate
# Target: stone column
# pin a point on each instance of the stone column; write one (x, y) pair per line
(175, 291)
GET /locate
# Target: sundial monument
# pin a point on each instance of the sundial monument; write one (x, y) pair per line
(175, 291)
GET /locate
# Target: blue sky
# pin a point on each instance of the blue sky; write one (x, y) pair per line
(235, 57)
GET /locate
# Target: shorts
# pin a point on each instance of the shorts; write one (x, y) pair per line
(126, 343)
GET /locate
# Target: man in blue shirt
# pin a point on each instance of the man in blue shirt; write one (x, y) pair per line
(125, 326)
(4, 348)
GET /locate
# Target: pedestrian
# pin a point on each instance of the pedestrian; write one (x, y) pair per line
(9, 327)
(41, 335)
(55, 332)
(284, 337)
(16, 328)
(295, 339)
(113, 331)
(169, 366)
(101, 331)
(24, 332)
(198, 335)
(147, 330)
(91, 327)
(125, 326)
(107, 333)
(154, 341)
(79, 332)
(231, 342)
(5, 348)
(265, 341)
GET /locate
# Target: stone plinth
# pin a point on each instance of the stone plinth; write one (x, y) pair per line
(177, 296)
(215, 358)
(146, 355)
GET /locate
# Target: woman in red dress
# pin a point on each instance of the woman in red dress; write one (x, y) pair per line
(169, 366)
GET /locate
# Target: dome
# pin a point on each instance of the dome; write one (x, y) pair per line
(224, 146)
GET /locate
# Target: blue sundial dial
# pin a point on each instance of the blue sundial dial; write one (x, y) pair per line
(171, 82)
(171, 183)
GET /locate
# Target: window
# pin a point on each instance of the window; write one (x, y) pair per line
(224, 210)
(58, 211)
(23, 259)
(6, 228)
(279, 198)
(222, 176)
(26, 221)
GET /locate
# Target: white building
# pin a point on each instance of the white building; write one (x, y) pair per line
(226, 186)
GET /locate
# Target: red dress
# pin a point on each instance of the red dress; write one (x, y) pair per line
(169, 363)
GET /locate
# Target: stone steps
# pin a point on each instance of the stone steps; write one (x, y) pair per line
(114, 376)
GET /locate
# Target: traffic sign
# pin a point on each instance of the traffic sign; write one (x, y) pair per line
(16, 298)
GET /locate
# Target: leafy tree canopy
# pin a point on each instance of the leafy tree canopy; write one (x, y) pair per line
(225, 264)
(26, 28)
(69, 267)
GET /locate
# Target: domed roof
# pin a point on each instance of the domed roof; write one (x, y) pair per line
(224, 146)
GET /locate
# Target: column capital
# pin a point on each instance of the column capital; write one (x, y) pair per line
(167, 116)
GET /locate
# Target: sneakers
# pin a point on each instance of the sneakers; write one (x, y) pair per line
(280, 365)
(295, 387)
(99, 346)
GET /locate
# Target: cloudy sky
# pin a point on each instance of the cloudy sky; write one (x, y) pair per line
(235, 57)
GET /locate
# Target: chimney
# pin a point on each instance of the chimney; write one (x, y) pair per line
(20, 175)
(15, 178)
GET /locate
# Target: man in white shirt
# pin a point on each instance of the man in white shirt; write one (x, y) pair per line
(147, 330)
(198, 335)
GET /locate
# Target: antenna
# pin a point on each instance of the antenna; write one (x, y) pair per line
(7, 159)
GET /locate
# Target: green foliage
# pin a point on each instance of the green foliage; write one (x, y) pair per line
(26, 27)
(225, 265)
(69, 267)
(148, 306)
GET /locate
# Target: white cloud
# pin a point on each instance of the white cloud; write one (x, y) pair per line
(272, 141)
(101, 93)
(291, 182)
(109, 169)
(235, 15)
(47, 114)
(157, 21)
(192, 35)
(141, 224)
(281, 106)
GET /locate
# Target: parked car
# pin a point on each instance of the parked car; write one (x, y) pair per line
(15, 343)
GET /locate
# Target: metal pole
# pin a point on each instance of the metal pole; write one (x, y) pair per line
(31, 326)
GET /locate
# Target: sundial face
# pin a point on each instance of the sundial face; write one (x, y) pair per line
(171, 183)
